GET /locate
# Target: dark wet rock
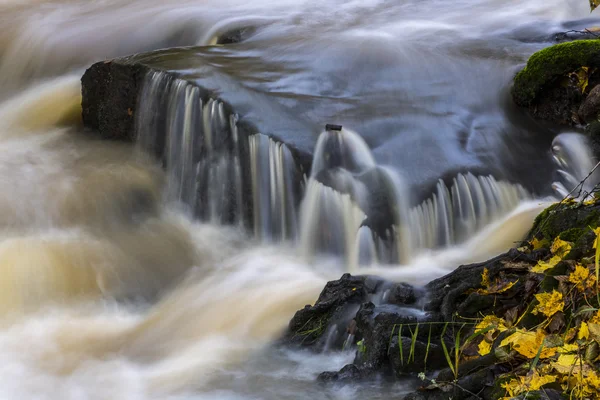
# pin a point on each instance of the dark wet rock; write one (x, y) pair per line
(592, 130)
(377, 324)
(590, 108)
(423, 357)
(400, 294)
(349, 373)
(237, 35)
(454, 293)
(110, 92)
(549, 86)
(337, 304)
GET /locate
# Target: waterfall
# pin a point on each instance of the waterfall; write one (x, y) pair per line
(216, 172)
(197, 139)
(452, 215)
(571, 153)
(329, 222)
(351, 207)
(274, 175)
(360, 211)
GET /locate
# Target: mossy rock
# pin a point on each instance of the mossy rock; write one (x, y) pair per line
(547, 65)
(571, 221)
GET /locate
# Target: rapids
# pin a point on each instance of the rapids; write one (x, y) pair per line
(109, 289)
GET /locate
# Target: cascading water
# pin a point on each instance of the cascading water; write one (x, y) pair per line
(110, 290)
(274, 180)
(577, 173)
(199, 143)
(451, 216)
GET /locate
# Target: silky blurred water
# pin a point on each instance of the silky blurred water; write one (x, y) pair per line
(108, 291)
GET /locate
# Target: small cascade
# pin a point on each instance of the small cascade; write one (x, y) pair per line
(360, 211)
(352, 207)
(329, 222)
(332, 215)
(454, 214)
(274, 193)
(198, 142)
(366, 246)
(330, 338)
(572, 155)
(219, 173)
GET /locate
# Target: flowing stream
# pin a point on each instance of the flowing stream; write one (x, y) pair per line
(122, 277)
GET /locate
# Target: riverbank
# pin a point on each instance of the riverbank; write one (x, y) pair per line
(521, 325)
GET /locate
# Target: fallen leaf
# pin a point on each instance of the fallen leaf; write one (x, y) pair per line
(560, 247)
(549, 303)
(484, 347)
(584, 332)
(542, 266)
(528, 343)
(580, 277)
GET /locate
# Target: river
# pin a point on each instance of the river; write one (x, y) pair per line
(109, 289)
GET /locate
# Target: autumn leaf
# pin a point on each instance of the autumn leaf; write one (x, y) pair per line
(594, 331)
(560, 248)
(581, 277)
(538, 244)
(484, 347)
(528, 344)
(582, 76)
(527, 383)
(597, 233)
(584, 332)
(542, 266)
(496, 287)
(594, 4)
(491, 321)
(485, 278)
(549, 303)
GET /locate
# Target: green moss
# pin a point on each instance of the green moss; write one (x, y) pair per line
(570, 221)
(573, 234)
(552, 62)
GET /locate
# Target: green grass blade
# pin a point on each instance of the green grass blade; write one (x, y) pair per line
(445, 349)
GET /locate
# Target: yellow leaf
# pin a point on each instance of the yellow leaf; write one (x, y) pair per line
(568, 348)
(537, 381)
(581, 277)
(528, 343)
(496, 287)
(570, 335)
(537, 244)
(560, 248)
(491, 321)
(522, 384)
(485, 278)
(550, 303)
(566, 363)
(597, 233)
(584, 332)
(484, 347)
(596, 318)
(582, 78)
(512, 388)
(544, 265)
(594, 331)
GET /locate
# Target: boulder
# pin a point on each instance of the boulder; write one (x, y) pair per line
(590, 108)
(553, 84)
